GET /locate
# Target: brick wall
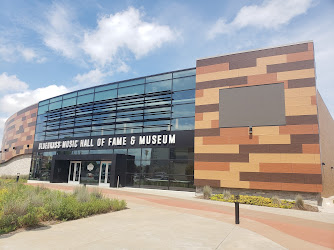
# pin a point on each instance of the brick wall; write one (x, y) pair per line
(283, 158)
(19, 132)
(326, 129)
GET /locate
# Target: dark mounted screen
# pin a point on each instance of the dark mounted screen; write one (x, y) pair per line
(252, 106)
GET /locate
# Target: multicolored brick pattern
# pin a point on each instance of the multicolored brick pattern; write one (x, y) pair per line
(19, 132)
(273, 157)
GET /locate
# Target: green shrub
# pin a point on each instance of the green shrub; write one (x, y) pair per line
(27, 206)
(207, 192)
(300, 202)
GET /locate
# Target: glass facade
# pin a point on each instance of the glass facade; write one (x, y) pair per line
(159, 103)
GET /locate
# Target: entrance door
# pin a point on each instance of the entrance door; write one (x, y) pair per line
(104, 179)
(74, 172)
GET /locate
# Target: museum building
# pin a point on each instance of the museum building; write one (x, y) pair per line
(245, 121)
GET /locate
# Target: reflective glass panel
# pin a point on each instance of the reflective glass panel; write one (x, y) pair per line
(183, 110)
(85, 98)
(43, 103)
(55, 105)
(131, 82)
(159, 86)
(70, 95)
(106, 87)
(184, 96)
(85, 91)
(183, 73)
(43, 109)
(159, 77)
(106, 95)
(183, 124)
(55, 99)
(69, 102)
(184, 83)
(134, 90)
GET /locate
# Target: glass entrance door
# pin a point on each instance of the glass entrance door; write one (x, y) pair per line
(74, 172)
(104, 179)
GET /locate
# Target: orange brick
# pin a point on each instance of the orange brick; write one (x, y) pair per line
(297, 129)
(212, 68)
(301, 56)
(275, 167)
(199, 93)
(214, 166)
(315, 128)
(313, 100)
(263, 78)
(311, 148)
(199, 117)
(299, 187)
(241, 131)
(300, 168)
(215, 124)
(265, 185)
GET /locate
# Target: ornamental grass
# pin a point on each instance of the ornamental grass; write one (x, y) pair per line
(28, 206)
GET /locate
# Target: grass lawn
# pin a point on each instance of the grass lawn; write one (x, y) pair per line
(28, 206)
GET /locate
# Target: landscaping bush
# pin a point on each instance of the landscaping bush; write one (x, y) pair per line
(300, 202)
(254, 200)
(207, 192)
(26, 206)
(276, 200)
(227, 194)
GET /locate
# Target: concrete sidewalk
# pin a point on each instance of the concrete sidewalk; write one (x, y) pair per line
(159, 219)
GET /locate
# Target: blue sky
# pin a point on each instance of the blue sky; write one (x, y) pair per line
(49, 48)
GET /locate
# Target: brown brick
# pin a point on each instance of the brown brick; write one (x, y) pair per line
(207, 132)
(301, 119)
(207, 108)
(281, 177)
(271, 148)
(301, 83)
(222, 157)
(305, 139)
(221, 83)
(203, 182)
(290, 66)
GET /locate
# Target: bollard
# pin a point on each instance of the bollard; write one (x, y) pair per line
(237, 221)
(17, 177)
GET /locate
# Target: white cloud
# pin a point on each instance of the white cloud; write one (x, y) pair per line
(13, 53)
(269, 15)
(24, 97)
(60, 32)
(93, 77)
(124, 30)
(11, 83)
(12, 103)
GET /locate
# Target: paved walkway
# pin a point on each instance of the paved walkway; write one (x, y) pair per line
(159, 219)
